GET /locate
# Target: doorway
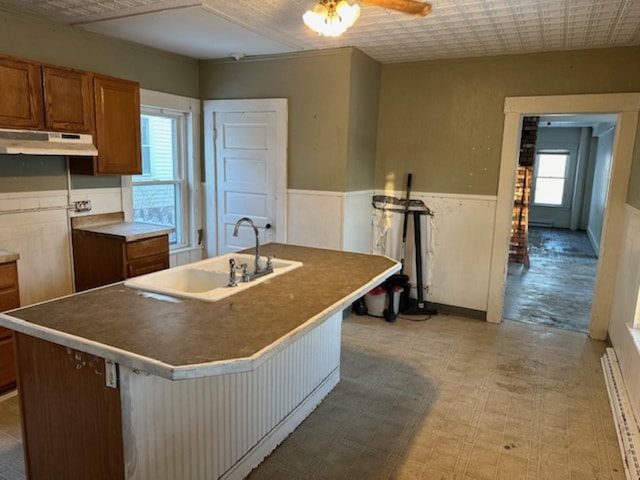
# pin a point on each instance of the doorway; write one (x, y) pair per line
(245, 171)
(626, 106)
(567, 196)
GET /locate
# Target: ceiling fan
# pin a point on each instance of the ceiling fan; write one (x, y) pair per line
(331, 18)
(412, 7)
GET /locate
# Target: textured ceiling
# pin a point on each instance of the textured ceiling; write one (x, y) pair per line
(455, 28)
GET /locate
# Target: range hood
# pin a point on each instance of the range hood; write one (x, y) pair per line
(30, 142)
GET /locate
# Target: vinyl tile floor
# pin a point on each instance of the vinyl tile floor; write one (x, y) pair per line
(445, 399)
(557, 288)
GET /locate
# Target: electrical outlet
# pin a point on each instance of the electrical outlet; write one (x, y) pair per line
(83, 205)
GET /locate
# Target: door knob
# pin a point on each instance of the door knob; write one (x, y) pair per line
(268, 226)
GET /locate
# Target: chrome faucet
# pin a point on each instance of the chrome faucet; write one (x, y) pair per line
(257, 263)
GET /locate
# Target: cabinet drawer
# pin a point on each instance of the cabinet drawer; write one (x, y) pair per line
(148, 247)
(8, 275)
(9, 298)
(7, 364)
(9, 293)
(5, 333)
(148, 265)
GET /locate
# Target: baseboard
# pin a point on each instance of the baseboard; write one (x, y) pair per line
(460, 311)
(623, 417)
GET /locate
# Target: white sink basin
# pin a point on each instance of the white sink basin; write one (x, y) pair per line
(207, 279)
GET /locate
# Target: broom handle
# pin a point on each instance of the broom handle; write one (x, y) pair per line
(406, 221)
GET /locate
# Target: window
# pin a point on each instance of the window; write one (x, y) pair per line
(160, 193)
(550, 177)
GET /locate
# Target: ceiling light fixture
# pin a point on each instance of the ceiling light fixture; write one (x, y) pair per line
(331, 18)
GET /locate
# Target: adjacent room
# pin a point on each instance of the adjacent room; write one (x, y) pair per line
(190, 222)
(559, 206)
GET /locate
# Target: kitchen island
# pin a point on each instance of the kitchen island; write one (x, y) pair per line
(118, 383)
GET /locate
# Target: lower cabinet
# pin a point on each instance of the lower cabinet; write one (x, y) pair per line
(9, 298)
(103, 259)
(71, 419)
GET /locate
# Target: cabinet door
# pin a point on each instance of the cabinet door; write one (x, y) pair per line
(21, 94)
(9, 293)
(117, 104)
(68, 100)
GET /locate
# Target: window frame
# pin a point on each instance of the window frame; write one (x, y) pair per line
(191, 214)
(567, 170)
(181, 119)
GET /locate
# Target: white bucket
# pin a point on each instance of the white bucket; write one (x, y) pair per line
(376, 301)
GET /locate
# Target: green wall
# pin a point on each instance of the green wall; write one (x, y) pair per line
(363, 119)
(32, 37)
(443, 120)
(317, 88)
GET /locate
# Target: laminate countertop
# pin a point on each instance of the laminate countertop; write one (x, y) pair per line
(129, 231)
(7, 256)
(185, 338)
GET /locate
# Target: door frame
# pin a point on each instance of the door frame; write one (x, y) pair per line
(626, 106)
(211, 108)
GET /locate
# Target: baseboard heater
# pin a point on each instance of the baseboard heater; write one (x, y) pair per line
(626, 424)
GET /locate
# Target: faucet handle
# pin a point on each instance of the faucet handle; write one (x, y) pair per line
(269, 263)
(232, 273)
(245, 272)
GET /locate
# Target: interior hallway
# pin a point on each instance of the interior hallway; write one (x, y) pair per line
(557, 288)
(449, 398)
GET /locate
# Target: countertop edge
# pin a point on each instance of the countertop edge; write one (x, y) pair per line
(181, 372)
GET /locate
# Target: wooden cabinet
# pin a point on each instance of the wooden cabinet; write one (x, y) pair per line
(71, 420)
(68, 100)
(117, 129)
(47, 97)
(9, 298)
(44, 97)
(21, 94)
(101, 259)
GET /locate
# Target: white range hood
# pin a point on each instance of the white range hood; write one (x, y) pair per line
(31, 142)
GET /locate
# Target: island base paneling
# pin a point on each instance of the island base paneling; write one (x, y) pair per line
(224, 426)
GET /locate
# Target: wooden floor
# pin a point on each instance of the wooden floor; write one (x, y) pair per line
(557, 289)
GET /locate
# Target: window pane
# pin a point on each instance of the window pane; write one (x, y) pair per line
(146, 148)
(552, 165)
(158, 204)
(549, 191)
(160, 147)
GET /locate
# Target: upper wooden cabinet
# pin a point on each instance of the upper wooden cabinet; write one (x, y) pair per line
(44, 97)
(117, 110)
(68, 100)
(34, 96)
(21, 103)
(117, 130)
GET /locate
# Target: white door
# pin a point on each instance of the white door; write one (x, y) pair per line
(245, 172)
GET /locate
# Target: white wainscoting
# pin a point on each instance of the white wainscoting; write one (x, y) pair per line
(460, 236)
(223, 426)
(315, 218)
(36, 225)
(624, 337)
(335, 220)
(358, 228)
(458, 242)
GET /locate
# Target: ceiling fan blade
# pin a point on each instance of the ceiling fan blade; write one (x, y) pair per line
(412, 7)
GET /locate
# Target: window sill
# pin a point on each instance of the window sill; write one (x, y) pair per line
(183, 249)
